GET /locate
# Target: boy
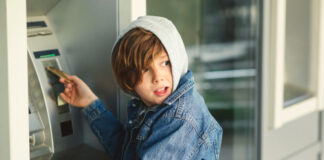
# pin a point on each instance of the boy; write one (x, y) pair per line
(167, 119)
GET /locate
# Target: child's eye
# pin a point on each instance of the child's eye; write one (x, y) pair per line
(165, 63)
(145, 70)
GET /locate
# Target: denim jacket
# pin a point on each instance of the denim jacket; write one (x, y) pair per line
(180, 128)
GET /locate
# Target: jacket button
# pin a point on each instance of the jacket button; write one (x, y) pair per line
(134, 105)
(130, 122)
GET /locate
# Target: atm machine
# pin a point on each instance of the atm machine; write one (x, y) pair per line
(55, 130)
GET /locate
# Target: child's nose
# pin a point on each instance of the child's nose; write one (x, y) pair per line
(157, 77)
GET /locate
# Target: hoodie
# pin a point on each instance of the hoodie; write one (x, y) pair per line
(169, 37)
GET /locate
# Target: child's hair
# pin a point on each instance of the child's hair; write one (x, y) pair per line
(133, 53)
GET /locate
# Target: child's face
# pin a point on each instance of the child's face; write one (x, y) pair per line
(157, 82)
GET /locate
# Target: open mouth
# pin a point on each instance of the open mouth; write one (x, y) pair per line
(161, 91)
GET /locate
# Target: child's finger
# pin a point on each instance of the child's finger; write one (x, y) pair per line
(71, 77)
(67, 90)
(72, 94)
(75, 79)
(68, 85)
(62, 80)
(65, 98)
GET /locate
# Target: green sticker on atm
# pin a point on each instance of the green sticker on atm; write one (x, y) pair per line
(46, 56)
(47, 53)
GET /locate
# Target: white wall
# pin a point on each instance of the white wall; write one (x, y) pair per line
(13, 81)
(129, 10)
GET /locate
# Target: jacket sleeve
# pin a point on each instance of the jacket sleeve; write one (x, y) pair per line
(171, 139)
(106, 127)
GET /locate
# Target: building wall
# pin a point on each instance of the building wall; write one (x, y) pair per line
(300, 137)
(13, 81)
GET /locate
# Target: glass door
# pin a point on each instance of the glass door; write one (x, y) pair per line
(221, 39)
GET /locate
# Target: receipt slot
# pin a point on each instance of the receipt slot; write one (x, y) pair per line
(55, 130)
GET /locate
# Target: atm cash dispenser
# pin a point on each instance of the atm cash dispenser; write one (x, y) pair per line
(55, 130)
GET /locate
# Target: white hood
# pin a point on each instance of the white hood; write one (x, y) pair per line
(170, 38)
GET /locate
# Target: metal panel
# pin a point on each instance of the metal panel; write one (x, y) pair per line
(40, 7)
(86, 31)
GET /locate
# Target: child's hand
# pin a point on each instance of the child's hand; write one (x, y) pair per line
(77, 93)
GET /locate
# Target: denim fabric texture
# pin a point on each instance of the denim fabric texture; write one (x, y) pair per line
(179, 129)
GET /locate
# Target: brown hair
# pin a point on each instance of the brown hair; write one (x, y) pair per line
(133, 53)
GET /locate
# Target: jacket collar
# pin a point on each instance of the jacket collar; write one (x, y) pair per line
(186, 83)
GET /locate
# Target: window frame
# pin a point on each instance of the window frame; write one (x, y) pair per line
(281, 115)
